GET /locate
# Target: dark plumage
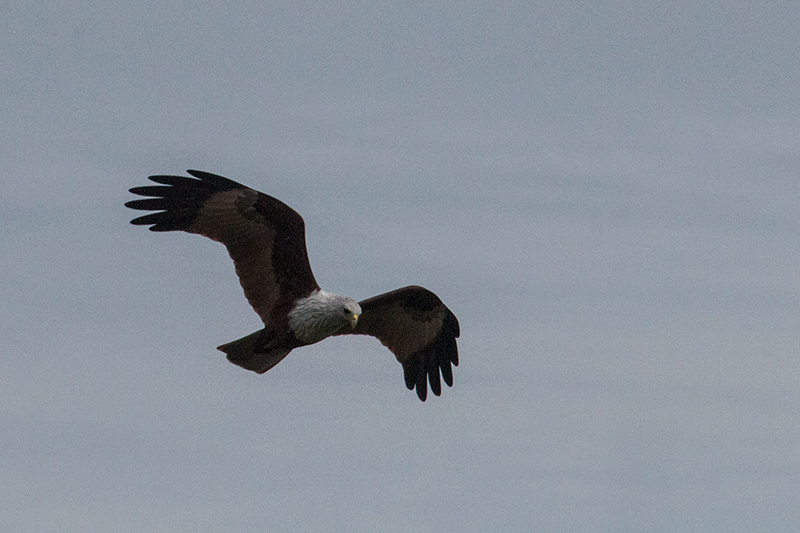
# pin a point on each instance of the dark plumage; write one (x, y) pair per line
(266, 240)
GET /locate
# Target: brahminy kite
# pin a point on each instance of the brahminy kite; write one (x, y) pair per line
(266, 240)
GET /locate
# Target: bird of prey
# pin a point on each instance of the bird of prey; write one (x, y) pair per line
(266, 240)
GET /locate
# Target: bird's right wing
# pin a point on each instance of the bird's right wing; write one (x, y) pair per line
(419, 330)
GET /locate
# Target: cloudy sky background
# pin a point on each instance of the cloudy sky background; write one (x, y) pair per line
(606, 194)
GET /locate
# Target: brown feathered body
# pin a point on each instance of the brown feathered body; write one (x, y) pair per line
(266, 240)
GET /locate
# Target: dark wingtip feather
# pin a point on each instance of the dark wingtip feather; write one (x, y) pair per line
(410, 371)
(422, 385)
(152, 218)
(432, 364)
(220, 182)
(147, 204)
(433, 375)
(447, 375)
(151, 190)
(177, 199)
(416, 377)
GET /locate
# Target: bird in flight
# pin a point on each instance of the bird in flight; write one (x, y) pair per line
(266, 240)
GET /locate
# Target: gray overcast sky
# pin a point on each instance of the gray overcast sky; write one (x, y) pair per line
(606, 194)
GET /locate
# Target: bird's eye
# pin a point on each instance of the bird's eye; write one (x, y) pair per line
(345, 310)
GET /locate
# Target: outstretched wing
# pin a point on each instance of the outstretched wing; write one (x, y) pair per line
(419, 329)
(264, 236)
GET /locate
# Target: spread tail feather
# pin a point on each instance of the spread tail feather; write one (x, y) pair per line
(255, 352)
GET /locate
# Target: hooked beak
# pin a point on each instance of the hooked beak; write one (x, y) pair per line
(353, 321)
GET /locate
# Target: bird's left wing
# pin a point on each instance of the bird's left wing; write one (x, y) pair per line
(419, 329)
(264, 236)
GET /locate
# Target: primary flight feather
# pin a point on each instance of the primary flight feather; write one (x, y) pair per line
(266, 240)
